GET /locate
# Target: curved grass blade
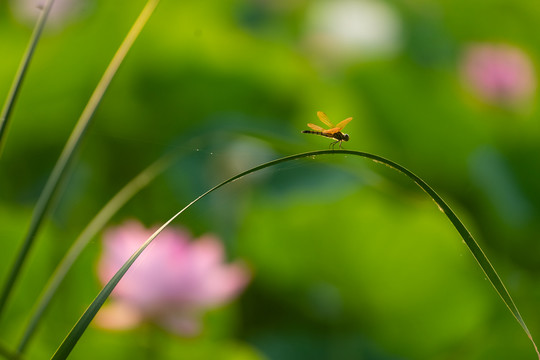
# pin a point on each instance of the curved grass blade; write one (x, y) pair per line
(21, 71)
(74, 335)
(58, 173)
(95, 225)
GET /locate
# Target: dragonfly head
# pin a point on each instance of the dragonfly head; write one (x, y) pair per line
(345, 137)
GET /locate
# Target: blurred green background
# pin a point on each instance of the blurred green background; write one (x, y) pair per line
(351, 260)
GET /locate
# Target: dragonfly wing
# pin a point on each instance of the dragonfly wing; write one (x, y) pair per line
(316, 127)
(343, 123)
(322, 116)
(331, 131)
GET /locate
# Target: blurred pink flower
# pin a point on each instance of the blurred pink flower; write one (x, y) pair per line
(62, 11)
(173, 281)
(499, 73)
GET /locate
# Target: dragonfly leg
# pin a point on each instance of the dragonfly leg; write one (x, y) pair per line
(332, 144)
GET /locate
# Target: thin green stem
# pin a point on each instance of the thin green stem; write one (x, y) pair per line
(59, 171)
(97, 223)
(74, 335)
(21, 72)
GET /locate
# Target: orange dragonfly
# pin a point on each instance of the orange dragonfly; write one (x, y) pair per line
(333, 131)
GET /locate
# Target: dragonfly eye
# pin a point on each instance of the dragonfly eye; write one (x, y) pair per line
(345, 137)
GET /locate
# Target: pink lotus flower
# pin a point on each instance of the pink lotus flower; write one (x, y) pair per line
(173, 281)
(499, 73)
(62, 11)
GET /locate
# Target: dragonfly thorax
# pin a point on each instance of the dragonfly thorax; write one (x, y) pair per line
(341, 136)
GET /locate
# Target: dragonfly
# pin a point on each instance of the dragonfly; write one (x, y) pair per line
(333, 131)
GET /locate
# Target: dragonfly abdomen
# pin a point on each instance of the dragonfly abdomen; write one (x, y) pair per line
(316, 133)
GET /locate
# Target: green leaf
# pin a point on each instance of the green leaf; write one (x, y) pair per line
(69, 342)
